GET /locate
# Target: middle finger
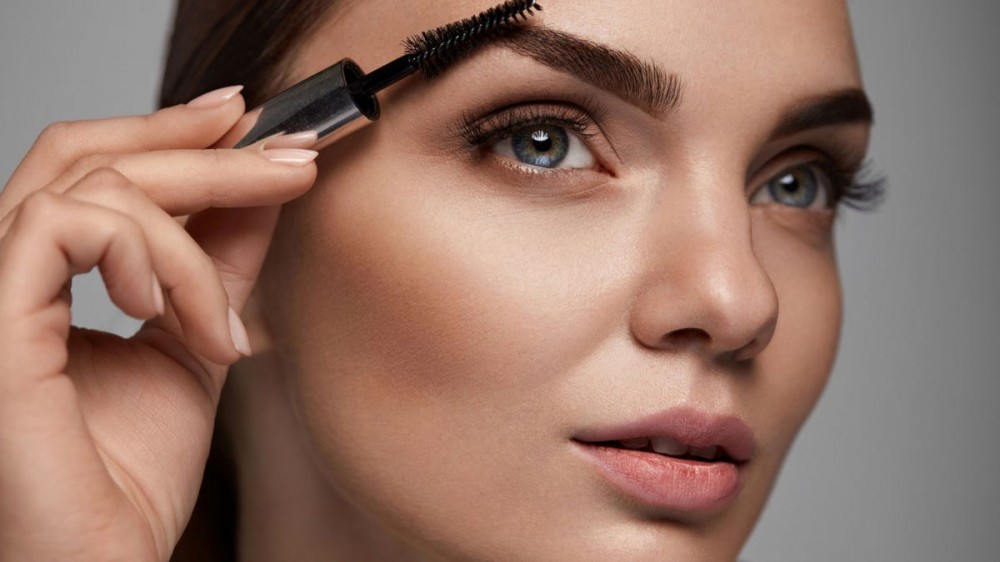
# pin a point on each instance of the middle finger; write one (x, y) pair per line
(183, 182)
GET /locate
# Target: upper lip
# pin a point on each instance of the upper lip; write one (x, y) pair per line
(689, 426)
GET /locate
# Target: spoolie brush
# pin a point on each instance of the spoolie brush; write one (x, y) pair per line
(333, 99)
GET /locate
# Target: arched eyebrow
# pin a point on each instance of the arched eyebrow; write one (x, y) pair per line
(656, 91)
(841, 107)
(642, 84)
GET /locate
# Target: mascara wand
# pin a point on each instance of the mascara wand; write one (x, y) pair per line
(332, 100)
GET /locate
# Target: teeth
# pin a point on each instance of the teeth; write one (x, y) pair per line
(637, 443)
(668, 446)
(704, 452)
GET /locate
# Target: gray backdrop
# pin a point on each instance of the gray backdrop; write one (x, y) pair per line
(899, 461)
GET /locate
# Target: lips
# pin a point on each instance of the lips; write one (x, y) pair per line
(682, 431)
(683, 459)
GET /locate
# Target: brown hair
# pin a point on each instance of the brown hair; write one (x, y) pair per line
(218, 43)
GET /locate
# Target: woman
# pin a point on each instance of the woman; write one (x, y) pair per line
(483, 328)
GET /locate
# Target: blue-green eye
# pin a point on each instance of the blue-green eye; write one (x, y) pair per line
(803, 185)
(545, 146)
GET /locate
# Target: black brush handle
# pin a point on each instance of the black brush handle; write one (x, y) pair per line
(385, 76)
(324, 103)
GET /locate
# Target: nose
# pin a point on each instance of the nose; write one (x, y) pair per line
(703, 287)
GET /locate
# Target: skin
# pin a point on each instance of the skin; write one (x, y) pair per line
(430, 323)
(437, 327)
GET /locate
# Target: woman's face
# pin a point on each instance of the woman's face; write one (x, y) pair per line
(459, 323)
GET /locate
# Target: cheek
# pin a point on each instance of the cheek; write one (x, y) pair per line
(794, 369)
(442, 288)
(440, 313)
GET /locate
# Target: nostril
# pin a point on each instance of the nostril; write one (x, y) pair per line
(687, 337)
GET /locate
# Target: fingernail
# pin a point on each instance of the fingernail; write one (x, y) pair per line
(238, 332)
(304, 139)
(157, 296)
(290, 156)
(215, 98)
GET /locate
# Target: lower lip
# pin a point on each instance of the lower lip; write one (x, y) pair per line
(667, 482)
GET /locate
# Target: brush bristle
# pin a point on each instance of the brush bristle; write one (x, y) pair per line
(435, 50)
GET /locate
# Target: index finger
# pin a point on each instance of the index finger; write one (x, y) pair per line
(199, 123)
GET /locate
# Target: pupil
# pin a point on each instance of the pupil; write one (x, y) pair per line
(790, 183)
(541, 141)
(544, 146)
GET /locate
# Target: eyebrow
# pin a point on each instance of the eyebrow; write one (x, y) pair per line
(850, 105)
(642, 84)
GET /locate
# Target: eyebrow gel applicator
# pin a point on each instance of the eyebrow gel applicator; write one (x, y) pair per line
(332, 101)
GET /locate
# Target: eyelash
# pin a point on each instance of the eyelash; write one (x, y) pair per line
(858, 188)
(486, 131)
(855, 187)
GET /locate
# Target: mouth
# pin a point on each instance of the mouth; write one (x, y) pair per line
(681, 460)
(670, 447)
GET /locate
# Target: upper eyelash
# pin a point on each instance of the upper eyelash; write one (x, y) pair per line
(858, 188)
(488, 130)
(866, 191)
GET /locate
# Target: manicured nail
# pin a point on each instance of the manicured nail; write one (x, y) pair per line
(158, 296)
(290, 156)
(215, 98)
(304, 139)
(238, 332)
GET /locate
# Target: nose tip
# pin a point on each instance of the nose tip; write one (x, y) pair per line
(725, 317)
(713, 297)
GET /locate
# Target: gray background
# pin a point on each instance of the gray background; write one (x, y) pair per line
(899, 461)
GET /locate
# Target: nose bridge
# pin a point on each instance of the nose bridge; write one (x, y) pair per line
(704, 285)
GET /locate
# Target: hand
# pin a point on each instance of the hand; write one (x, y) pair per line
(103, 440)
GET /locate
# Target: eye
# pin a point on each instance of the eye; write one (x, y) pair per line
(545, 146)
(806, 186)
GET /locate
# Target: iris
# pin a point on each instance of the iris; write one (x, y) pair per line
(798, 187)
(545, 146)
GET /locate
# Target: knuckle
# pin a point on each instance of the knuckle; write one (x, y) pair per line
(54, 135)
(123, 225)
(37, 207)
(104, 180)
(90, 162)
(109, 187)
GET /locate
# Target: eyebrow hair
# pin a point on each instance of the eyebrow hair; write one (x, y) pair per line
(845, 106)
(642, 84)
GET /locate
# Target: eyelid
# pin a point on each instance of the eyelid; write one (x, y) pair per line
(499, 124)
(487, 128)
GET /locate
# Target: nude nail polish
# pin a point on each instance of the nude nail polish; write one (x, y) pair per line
(305, 139)
(238, 333)
(290, 156)
(158, 296)
(215, 98)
